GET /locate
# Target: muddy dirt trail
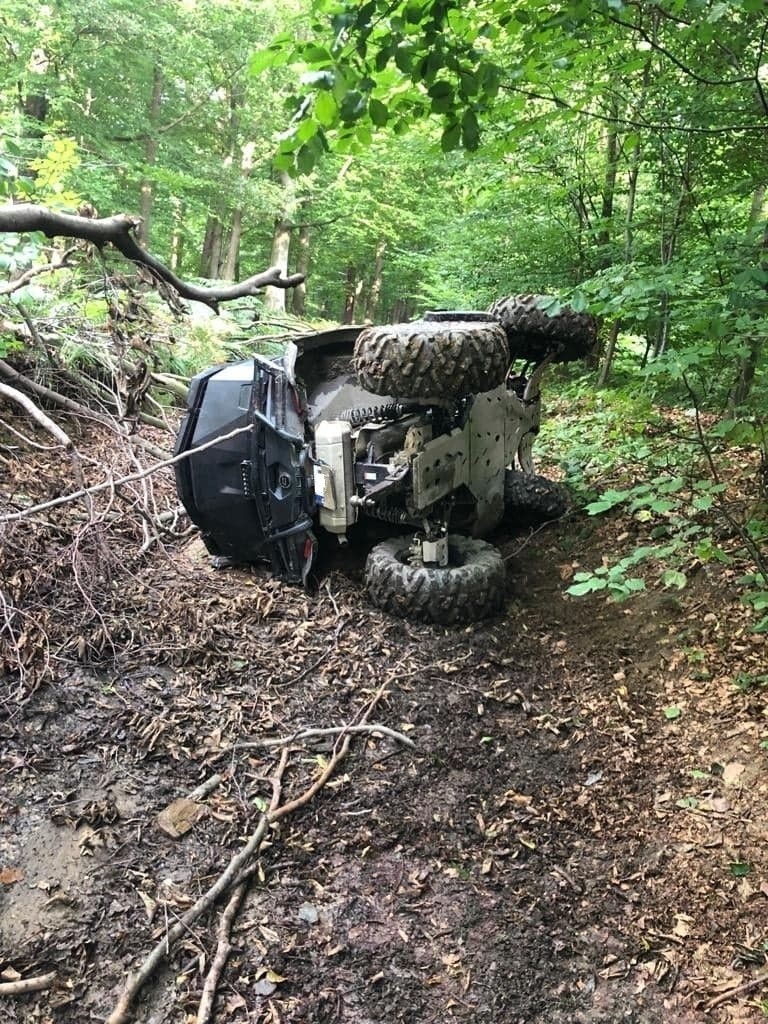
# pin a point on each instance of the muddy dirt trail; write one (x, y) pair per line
(556, 846)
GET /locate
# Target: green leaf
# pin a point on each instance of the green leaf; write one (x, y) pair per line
(306, 130)
(404, 59)
(634, 583)
(442, 96)
(672, 712)
(305, 160)
(468, 85)
(273, 56)
(317, 55)
(470, 131)
(740, 868)
(414, 12)
(451, 138)
(378, 113)
(326, 110)
(352, 106)
(587, 586)
(674, 578)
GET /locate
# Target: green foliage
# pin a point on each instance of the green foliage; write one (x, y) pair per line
(748, 682)
(611, 578)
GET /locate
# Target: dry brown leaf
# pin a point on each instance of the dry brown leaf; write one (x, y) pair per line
(180, 816)
(9, 876)
(732, 772)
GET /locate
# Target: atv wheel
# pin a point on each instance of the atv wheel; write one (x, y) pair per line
(469, 588)
(533, 334)
(432, 359)
(532, 499)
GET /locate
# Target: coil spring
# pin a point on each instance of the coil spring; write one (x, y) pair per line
(362, 414)
(396, 516)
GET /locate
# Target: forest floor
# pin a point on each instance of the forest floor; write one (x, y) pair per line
(578, 833)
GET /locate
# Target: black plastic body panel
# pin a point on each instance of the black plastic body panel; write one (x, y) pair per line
(250, 494)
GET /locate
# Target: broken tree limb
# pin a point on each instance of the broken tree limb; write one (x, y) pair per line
(337, 730)
(120, 232)
(25, 985)
(68, 404)
(37, 414)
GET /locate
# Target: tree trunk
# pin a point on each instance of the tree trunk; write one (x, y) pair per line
(230, 261)
(609, 187)
(610, 350)
(350, 294)
(274, 298)
(374, 293)
(209, 259)
(177, 236)
(150, 158)
(749, 361)
(302, 267)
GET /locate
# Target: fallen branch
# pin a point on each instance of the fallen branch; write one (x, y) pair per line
(37, 414)
(171, 384)
(334, 731)
(130, 478)
(57, 261)
(237, 867)
(68, 404)
(223, 949)
(25, 985)
(740, 990)
(136, 982)
(120, 231)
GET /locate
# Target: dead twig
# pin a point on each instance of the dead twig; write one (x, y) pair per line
(234, 872)
(25, 985)
(223, 949)
(740, 990)
(130, 478)
(333, 731)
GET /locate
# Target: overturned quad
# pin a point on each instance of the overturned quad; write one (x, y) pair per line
(426, 426)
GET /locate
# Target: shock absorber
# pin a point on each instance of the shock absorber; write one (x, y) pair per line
(379, 413)
(396, 516)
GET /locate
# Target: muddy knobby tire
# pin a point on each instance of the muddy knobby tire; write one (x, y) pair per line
(469, 588)
(532, 333)
(432, 359)
(530, 499)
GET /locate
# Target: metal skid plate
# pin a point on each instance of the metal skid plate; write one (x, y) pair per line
(473, 456)
(486, 428)
(440, 468)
